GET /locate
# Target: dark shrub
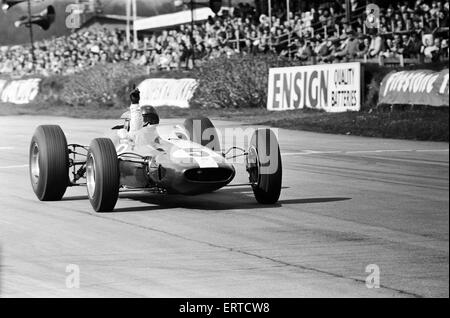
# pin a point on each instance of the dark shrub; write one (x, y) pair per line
(235, 82)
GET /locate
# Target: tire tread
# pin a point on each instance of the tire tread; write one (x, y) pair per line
(107, 175)
(268, 189)
(53, 162)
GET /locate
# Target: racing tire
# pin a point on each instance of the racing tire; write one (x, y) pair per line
(264, 166)
(205, 134)
(102, 175)
(49, 163)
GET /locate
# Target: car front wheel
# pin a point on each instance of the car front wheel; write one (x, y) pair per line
(102, 175)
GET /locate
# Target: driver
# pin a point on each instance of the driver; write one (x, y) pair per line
(141, 116)
(136, 120)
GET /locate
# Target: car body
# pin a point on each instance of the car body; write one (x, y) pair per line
(175, 163)
(165, 159)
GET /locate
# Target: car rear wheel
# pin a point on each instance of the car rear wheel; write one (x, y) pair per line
(264, 166)
(102, 175)
(49, 163)
(202, 131)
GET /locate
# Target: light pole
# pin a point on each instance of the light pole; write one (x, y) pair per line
(270, 14)
(288, 18)
(348, 9)
(128, 14)
(135, 39)
(192, 33)
(131, 13)
(30, 26)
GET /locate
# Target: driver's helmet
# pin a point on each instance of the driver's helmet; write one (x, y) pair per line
(149, 115)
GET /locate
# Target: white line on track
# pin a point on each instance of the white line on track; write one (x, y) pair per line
(437, 150)
(311, 152)
(6, 148)
(14, 167)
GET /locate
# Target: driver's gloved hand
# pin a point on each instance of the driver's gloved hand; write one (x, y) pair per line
(136, 120)
(135, 96)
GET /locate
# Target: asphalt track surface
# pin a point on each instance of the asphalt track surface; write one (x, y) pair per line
(347, 202)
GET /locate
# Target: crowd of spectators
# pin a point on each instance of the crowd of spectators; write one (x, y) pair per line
(416, 29)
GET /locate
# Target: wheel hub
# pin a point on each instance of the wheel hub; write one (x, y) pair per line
(90, 175)
(253, 165)
(34, 164)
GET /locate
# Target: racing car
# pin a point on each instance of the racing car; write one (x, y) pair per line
(163, 159)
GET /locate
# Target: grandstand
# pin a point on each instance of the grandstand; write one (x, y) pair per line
(409, 32)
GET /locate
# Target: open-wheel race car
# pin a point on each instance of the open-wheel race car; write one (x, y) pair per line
(164, 159)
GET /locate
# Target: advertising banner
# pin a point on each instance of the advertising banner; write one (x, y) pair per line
(420, 87)
(330, 87)
(167, 92)
(19, 91)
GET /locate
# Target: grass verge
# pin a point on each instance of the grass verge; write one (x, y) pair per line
(423, 124)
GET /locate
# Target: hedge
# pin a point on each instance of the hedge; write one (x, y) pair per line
(101, 85)
(236, 82)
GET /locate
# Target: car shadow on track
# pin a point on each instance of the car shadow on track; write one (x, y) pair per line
(230, 198)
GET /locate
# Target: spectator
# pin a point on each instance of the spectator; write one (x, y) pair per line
(304, 52)
(433, 51)
(376, 45)
(349, 48)
(411, 45)
(322, 50)
(363, 46)
(420, 25)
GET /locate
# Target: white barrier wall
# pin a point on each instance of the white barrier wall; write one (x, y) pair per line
(19, 91)
(167, 92)
(418, 87)
(330, 87)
